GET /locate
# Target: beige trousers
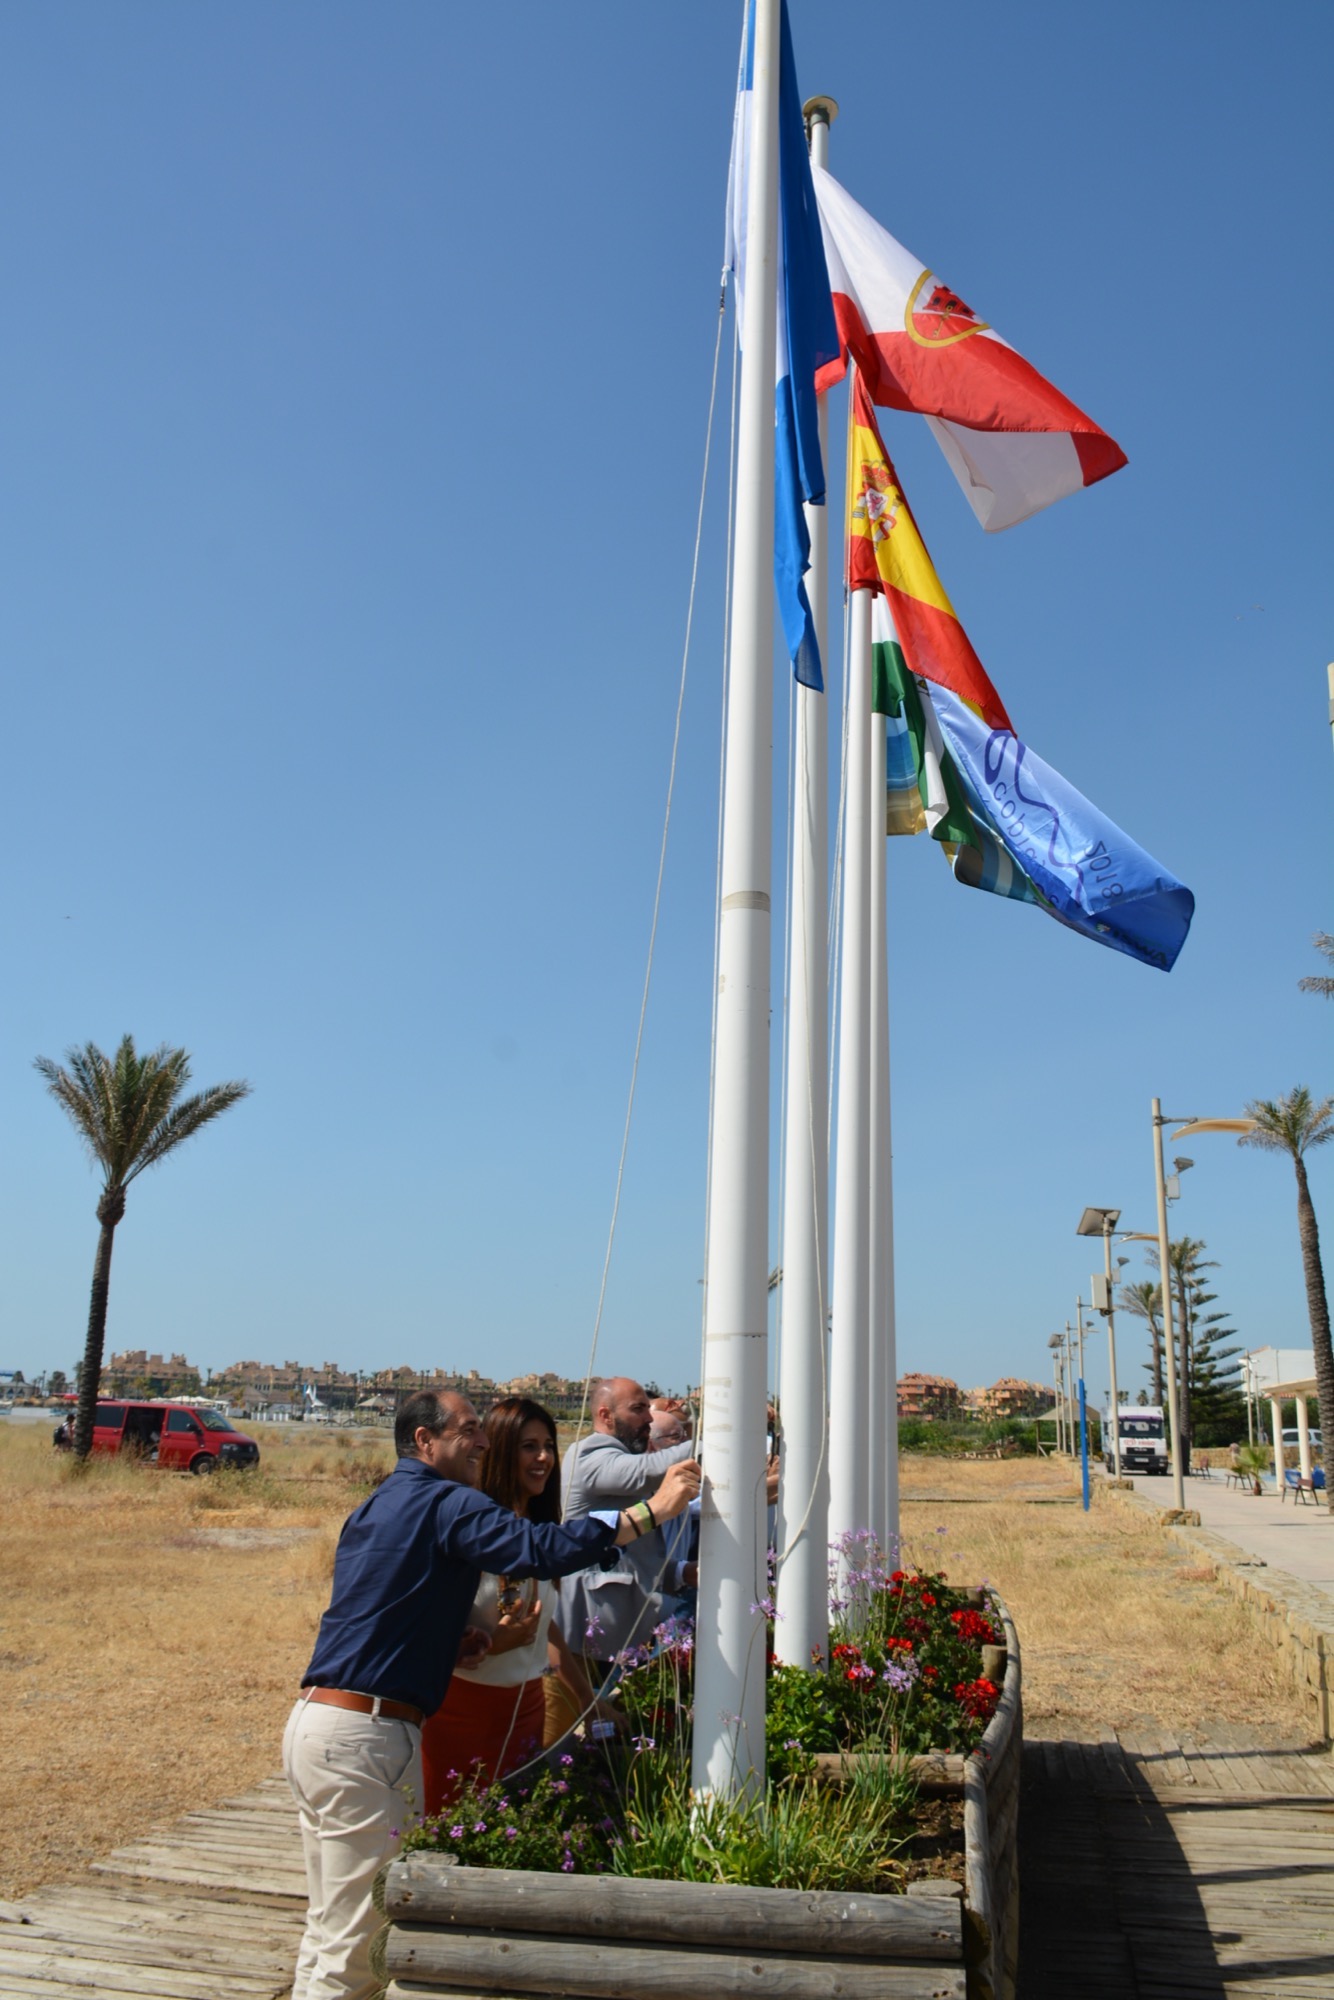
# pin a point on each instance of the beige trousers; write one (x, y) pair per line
(357, 1782)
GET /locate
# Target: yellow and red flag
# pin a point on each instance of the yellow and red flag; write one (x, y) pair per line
(886, 553)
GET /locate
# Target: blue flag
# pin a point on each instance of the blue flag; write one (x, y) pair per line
(807, 336)
(1042, 841)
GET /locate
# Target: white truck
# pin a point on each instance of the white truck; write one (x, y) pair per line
(1143, 1438)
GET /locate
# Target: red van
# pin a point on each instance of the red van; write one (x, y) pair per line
(181, 1436)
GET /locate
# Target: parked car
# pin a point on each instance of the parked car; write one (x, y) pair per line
(1291, 1442)
(184, 1437)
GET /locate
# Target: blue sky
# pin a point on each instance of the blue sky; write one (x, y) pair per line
(357, 364)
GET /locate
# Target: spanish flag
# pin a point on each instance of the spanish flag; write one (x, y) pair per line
(886, 553)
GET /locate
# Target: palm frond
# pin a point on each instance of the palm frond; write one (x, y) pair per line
(83, 1093)
(1144, 1299)
(147, 1087)
(1293, 1124)
(184, 1120)
(125, 1107)
(1320, 982)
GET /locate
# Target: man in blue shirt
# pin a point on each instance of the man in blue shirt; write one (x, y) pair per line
(408, 1564)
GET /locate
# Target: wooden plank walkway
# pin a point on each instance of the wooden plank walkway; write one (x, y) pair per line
(210, 1908)
(1157, 1867)
(1153, 1867)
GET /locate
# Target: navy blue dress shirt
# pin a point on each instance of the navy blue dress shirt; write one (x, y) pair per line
(408, 1565)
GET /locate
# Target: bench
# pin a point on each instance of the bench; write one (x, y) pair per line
(1234, 1476)
(1302, 1489)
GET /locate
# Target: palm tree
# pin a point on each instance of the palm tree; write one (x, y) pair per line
(1320, 982)
(1145, 1300)
(129, 1112)
(1294, 1125)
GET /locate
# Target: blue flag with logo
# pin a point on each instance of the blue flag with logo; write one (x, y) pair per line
(807, 335)
(1042, 841)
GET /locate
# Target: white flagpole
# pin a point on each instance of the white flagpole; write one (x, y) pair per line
(849, 1429)
(882, 1402)
(802, 1626)
(728, 1750)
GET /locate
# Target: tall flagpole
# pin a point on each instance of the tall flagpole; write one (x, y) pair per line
(882, 1400)
(802, 1626)
(728, 1750)
(849, 1432)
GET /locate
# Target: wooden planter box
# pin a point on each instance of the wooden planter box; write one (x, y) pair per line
(512, 1934)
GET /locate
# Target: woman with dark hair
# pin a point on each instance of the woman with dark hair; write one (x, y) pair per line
(493, 1716)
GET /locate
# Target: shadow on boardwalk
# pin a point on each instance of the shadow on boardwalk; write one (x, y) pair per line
(1161, 1868)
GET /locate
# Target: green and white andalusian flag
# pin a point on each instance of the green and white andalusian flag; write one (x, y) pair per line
(923, 789)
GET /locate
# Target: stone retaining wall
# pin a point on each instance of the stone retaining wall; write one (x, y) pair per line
(1295, 1617)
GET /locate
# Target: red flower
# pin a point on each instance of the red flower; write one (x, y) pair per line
(977, 1698)
(927, 1598)
(897, 1575)
(902, 1645)
(972, 1625)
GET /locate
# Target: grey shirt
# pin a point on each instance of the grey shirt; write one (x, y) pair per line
(601, 1612)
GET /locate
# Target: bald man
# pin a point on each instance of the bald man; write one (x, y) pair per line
(602, 1615)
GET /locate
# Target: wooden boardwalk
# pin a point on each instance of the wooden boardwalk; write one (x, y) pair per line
(1156, 1867)
(1152, 1868)
(210, 1908)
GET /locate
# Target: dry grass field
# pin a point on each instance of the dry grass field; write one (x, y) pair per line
(1117, 1625)
(153, 1627)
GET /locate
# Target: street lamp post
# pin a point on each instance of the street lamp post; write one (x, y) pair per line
(1101, 1222)
(1081, 1402)
(1079, 1328)
(1055, 1345)
(1188, 1128)
(1165, 1272)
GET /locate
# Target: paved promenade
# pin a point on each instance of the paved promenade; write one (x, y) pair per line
(1285, 1535)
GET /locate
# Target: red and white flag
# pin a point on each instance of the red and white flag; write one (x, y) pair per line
(1013, 441)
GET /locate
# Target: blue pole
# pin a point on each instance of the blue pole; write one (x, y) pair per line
(1084, 1441)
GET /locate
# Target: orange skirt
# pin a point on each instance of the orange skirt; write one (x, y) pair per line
(479, 1732)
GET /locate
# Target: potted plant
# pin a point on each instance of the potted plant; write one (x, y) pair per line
(1252, 1460)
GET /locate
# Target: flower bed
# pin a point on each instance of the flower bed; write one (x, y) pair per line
(905, 1675)
(600, 1877)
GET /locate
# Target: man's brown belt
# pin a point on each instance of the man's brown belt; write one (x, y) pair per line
(363, 1704)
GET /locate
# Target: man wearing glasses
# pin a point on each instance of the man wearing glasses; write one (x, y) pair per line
(408, 1565)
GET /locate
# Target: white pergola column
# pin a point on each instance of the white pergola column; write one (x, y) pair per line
(1276, 1423)
(1303, 1439)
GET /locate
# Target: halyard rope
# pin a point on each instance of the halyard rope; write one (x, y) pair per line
(662, 863)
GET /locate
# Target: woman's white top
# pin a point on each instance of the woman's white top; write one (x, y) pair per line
(521, 1663)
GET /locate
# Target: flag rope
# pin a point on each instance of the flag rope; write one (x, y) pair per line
(662, 864)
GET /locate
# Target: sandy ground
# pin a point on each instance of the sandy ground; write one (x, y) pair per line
(153, 1627)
